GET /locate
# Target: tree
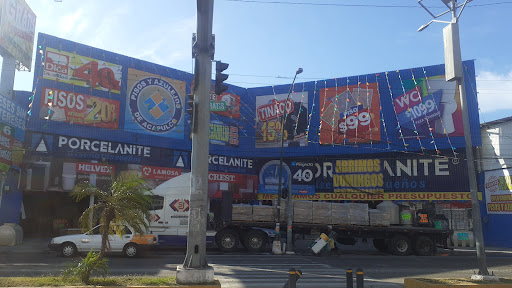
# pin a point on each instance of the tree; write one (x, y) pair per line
(126, 202)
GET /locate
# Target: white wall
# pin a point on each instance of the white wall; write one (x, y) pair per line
(496, 150)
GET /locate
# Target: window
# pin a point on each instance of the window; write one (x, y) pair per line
(157, 203)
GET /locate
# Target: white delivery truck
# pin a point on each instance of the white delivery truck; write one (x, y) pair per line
(169, 222)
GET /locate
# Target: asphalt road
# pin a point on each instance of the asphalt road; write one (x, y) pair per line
(242, 269)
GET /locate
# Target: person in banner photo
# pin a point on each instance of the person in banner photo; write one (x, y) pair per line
(270, 109)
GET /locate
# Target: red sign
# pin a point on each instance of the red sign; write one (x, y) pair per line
(274, 109)
(223, 177)
(94, 168)
(70, 107)
(226, 105)
(159, 173)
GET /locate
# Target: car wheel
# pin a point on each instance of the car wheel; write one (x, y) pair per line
(424, 246)
(130, 250)
(68, 249)
(255, 241)
(400, 245)
(227, 240)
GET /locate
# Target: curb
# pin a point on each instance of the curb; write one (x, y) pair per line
(214, 285)
(417, 283)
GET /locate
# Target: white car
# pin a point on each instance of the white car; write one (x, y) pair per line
(129, 244)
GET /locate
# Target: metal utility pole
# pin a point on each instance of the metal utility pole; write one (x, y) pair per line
(279, 187)
(195, 270)
(454, 72)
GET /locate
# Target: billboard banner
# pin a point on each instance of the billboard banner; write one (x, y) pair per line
(498, 191)
(13, 119)
(270, 110)
(82, 71)
(227, 105)
(77, 108)
(154, 105)
(428, 108)
(350, 114)
(384, 177)
(301, 179)
(224, 134)
(17, 30)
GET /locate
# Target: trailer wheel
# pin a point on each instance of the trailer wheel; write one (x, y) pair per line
(227, 240)
(255, 240)
(380, 244)
(424, 246)
(400, 245)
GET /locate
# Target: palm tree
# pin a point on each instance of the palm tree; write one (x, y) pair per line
(126, 202)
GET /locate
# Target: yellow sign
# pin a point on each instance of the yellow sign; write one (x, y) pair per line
(413, 196)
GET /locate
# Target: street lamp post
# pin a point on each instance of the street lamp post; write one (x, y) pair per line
(454, 72)
(279, 187)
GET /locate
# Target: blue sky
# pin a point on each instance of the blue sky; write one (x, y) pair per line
(265, 41)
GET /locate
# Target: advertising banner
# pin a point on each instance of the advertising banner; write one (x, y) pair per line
(223, 134)
(76, 108)
(226, 105)
(399, 178)
(82, 71)
(300, 176)
(428, 108)
(13, 115)
(154, 105)
(12, 134)
(270, 110)
(498, 191)
(350, 114)
(17, 30)
(11, 152)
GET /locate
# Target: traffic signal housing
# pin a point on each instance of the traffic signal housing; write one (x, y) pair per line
(220, 87)
(191, 109)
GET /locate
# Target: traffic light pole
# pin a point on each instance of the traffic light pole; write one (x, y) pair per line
(195, 269)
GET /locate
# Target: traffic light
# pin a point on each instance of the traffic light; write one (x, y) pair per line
(191, 109)
(220, 87)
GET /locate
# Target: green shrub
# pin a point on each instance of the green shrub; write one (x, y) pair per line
(84, 268)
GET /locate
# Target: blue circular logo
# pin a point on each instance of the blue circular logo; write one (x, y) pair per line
(155, 105)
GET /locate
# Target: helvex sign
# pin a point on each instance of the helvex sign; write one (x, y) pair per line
(94, 168)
